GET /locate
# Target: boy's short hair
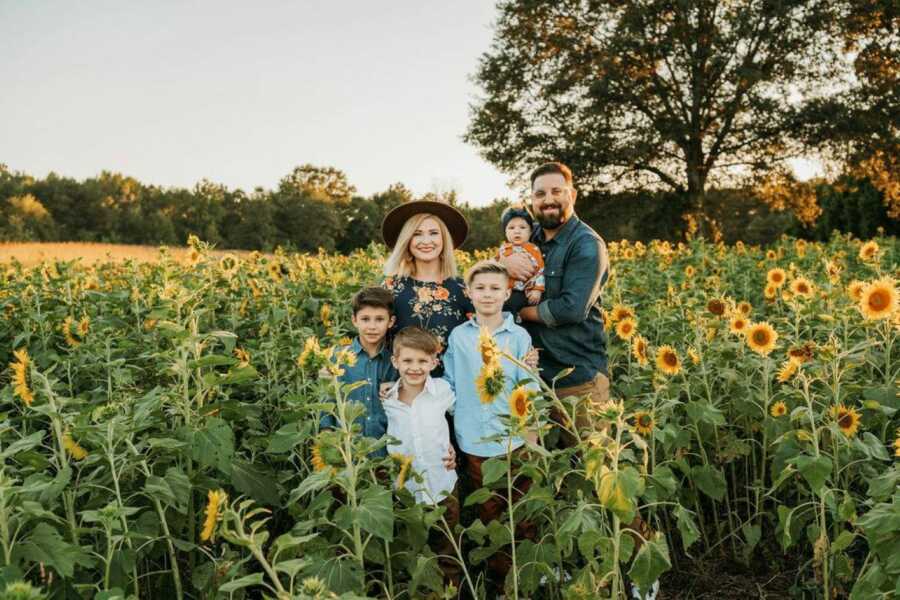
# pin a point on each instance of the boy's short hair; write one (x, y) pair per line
(373, 297)
(552, 167)
(483, 267)
(417, 339)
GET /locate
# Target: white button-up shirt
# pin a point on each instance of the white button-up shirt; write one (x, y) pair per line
(423, 433)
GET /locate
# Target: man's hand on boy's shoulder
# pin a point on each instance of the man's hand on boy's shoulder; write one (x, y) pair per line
(384, 389)
(450, 459)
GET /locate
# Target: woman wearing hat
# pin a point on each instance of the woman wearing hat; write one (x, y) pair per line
(421, 269)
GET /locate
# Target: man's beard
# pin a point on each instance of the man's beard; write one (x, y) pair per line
(548, 222)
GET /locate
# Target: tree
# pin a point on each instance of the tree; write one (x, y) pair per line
(25, 218)
(362, 217)
(670, 94)
(861, 125)
(327, 181)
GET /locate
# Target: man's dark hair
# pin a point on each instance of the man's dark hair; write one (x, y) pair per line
(374, 297)
(552, 167)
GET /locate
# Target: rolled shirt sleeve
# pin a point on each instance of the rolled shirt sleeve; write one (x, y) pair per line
(586, 271)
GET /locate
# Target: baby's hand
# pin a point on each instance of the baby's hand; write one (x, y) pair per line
(534, 296)
(384, 388)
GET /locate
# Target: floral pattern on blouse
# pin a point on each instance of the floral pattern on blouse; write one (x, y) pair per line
(436, 307)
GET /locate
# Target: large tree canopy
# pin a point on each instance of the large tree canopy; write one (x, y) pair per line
(673, 94)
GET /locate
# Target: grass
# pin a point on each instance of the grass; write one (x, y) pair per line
(32, 253)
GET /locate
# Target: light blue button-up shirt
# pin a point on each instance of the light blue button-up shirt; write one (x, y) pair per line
(373, 370)
(473, 421)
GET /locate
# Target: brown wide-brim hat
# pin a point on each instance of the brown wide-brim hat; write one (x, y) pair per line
(395, 220)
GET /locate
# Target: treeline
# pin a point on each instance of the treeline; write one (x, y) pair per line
(316, 208)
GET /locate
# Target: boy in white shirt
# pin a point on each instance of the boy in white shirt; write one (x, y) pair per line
(416, 408)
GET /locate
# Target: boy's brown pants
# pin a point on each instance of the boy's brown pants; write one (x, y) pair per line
(495, 506)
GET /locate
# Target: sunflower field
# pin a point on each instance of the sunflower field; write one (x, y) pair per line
(159, 435)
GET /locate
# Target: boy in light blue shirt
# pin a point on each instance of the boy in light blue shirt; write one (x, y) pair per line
(474, 420)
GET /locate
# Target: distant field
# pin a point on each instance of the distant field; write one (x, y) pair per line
(31, 253)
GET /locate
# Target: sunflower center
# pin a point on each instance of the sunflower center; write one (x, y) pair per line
(670, 359)
(645, 420)
(878, 300)
(761, 337)
(845, 420)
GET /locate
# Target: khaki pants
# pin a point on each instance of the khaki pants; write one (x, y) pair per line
(595, 395)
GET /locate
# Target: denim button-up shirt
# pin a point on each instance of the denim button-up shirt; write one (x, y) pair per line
(374, 370)
(472, 420)
(570, 334)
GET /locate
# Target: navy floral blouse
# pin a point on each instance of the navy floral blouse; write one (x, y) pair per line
(437, 307)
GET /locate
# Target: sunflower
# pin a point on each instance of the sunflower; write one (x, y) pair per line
(626, 328)
(490, 354)
(215, 500)
(66, 329)
(761, 338)
(738, 325)
(833, 270)
(897, 444)
(689, 271)
(228, 264)
(20, 370)
(639, 349)
(800, 247)
(868, 252)
(745, 308)
(243, 357)
(520, 403)
(788, 370)
(715, 306)
(274, 270)
(318, 459)
(667, 360)
(693, 355)
(405, 461)
(847, 419)
(194, 256)
(779, 409)
(490, 382)
(801, 286)
(855, 289)
(325, 314)
(84, 326)
(770, 292)
(802, 354)
(73, 448)
(776, 277)
(771, 255)
(879, 299)
(619, 312)
(643, 422)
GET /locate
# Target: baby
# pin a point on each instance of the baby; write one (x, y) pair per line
(517, 225)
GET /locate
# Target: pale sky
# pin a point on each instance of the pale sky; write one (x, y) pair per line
(171, 92)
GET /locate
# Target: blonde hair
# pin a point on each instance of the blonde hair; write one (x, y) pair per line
(401, 263)
(484, 267)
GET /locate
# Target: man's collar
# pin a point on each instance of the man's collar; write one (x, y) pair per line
(564, 231)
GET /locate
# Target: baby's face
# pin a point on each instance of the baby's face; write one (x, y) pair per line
(518, 231)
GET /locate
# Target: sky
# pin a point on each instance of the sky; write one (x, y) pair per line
(172, 92)
(241, 92)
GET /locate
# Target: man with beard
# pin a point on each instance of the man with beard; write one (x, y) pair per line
(566, 326)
